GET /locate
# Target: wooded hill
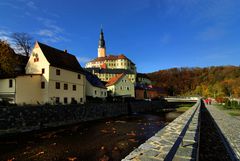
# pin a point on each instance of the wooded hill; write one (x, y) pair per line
(220, 81)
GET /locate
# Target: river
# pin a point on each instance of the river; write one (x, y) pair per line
(107, 139)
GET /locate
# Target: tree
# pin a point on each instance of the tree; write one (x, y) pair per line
(8, 60)
(23, 42)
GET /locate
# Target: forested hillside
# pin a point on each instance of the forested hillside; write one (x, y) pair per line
(211, 81)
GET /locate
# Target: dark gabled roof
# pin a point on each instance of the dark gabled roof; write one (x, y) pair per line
(109, 71)
(60, 59)
(94, 80)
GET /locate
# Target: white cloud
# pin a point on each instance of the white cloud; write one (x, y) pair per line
(6, 36)
(54, 39)
(212, 33)
(218, 56)
(46, 32)
(51, 32)
(31, 5)
(165, 39)
(8, 4)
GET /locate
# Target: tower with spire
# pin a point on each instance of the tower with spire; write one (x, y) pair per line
(101, 45)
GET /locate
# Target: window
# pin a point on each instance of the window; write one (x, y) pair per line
(128, 88)
(105, 93)
(95, 92)
(57, 71)
(42, 85)
(73, 101)
(74, 87)
(57, 85)
(43, 70)
(121, 87)
(10, 83)
(65, 87)
(65, 100)
(79, 76)
(57, 99)
(36, 59)
(80, 99)
(101, 93)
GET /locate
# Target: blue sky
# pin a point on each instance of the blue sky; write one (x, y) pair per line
(154, 34)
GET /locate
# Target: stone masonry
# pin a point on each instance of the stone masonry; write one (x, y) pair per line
(27, 118)
(229, 127)
(177, 141)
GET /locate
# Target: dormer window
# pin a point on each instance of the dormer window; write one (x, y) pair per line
(57, 71)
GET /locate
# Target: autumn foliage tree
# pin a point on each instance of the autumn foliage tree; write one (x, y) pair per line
(7, 59)
(222, 81)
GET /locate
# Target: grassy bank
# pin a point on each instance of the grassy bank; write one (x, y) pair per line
(230, 111)
(184, 107)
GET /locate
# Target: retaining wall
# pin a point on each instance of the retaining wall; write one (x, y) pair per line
(177, 141)
(27, 118)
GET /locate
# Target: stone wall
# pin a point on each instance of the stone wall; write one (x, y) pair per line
(176, 141)
(26, 118)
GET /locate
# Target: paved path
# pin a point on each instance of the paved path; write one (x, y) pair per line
(176, 141)
(229, 126)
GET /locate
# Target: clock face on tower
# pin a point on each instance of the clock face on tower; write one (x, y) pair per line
(35, 57)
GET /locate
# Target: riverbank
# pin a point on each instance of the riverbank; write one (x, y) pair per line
(230, 111)
(28, 118)
(86, 140)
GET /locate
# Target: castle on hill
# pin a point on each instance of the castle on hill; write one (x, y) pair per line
(55, 76)
(120, 74)
(107, 67)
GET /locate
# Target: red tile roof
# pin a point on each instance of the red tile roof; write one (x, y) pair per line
(111, 57)
(114, 80)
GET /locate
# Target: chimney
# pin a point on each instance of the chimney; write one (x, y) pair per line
(65, 51)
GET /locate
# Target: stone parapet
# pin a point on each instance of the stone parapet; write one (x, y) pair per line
(177, 141)
(229, 128)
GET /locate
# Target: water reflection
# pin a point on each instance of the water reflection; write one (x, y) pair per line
(108, 139)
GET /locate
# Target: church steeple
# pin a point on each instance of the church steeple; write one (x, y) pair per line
(101, 45)
(101, 42)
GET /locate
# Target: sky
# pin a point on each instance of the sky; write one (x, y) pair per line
(154, 34)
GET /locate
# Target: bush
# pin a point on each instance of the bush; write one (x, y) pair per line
(231, 104)
(234, 104)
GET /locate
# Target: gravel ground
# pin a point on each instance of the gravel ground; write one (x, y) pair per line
(229, 126)
(211, 146)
